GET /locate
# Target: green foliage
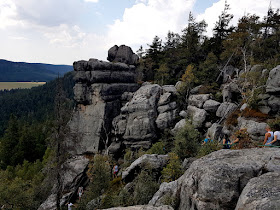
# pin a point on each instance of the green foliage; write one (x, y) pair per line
(186, 142)
(208, 70)
(145, 187)
(208, 148)
(274, 124)
(157, 148)
(99, 173)
(171, 200)
(173, 169)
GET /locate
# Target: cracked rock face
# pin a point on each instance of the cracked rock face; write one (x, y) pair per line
(273, 82)
(217, 180)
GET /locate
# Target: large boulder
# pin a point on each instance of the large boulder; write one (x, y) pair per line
(216, 181)
(262, 192)
(197, 116)
(215, 131)
(230, 92)
(179, 125)
(198, 100)
(274, 104)
(166, 119)
(211, 105)
(73, 174)
(228, 73)
(122, 54)
(273, 81)
(156, 162)
(225, 109)
(256, 130)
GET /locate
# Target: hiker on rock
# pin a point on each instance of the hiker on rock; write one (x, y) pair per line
(115, 171)
(226, 142)
(80, 192)
(268, 136)
(276, 139)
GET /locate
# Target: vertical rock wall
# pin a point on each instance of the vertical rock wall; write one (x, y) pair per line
(98, 92)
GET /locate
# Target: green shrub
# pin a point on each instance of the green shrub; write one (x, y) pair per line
(208, 148)
(170, 200)
(145, 187)
(274, 124)
(157, 148)
(173, 169)
(186, 141)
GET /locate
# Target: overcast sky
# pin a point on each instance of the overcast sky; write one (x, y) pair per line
(63, 31)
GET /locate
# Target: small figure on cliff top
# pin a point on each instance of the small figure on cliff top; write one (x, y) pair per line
(226, 142)
(69, 205)
(115, 171)
(207, 139)
(80, 192)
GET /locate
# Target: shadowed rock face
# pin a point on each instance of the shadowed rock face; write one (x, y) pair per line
(98, 93)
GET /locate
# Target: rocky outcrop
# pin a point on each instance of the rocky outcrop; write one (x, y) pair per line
(262, 192)
(216, 181)
(211, 105)
(198, 100)
(225, 109)
(215, 131)
(256, 130)
(156, 162)
(151, 109)
(122, 54)
(273, 82)
(73, 173)
(143, 207)
(98, 92)
(196, 115)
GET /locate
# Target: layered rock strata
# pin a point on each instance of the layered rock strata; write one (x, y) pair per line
(99, 91)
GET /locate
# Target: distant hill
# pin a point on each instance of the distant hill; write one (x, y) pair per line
(22, 72)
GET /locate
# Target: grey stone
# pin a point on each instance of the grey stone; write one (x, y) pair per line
(114, 147)
(123, 54)
(263, 96)
(215, 131)
(273, 81)
(256, 68)
(262, 192)
(264, 109)
(225, 109)
(167, 107)
(164, 99)
(178, 85)
(217, 180)
(229, 91)
(208, 124)
(196, 89)
(179, 125)
(166, 119)
(73, 171)
(255, 129)
(166, 190)
(198, 100)
(211, 105)
(157, 162)
(187, 162)
(197, 116)
(183, 114)
(274, 103)
(169, 89)
(243, 107)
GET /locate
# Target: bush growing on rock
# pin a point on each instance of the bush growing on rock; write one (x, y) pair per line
(173, 170)
(186, 142)
(157, 148)
(208, 148)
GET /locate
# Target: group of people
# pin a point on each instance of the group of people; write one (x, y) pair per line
(271, 139)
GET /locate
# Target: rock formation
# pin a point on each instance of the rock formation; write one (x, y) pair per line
(122, 54)
(216, 181)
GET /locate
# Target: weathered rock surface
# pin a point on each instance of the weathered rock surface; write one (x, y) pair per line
(274, 103)
(178, 126)
(215, 131)
(256, 130)
(143, 207)
(229, 72)
(98, 92)
(262, 192)
(198, 100)
(230, 92)
(122, 54)
(197, 116)
(273, 82)
(156, 162)
(73, 173)
(225, 109)
(166, 119)
(211, 105)
(217, 180)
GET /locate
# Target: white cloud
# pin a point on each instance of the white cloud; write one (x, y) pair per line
(238, 8)
(94, 1)
(148, 18)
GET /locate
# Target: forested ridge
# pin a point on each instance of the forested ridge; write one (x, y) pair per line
(26, 72)
(28, 120)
